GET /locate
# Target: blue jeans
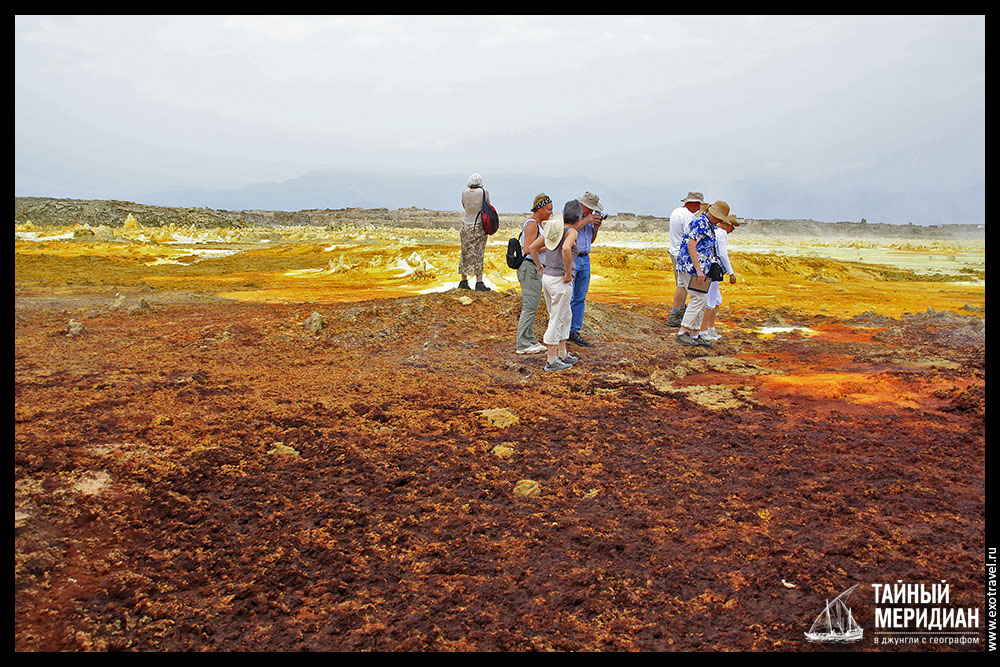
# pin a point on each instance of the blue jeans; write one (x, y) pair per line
(581, 283)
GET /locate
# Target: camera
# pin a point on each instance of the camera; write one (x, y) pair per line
(602, 216)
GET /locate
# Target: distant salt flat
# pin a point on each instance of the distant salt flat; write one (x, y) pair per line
(203, 253)
(33, 236)
(770, 331)
(213, 252)
(191, 240)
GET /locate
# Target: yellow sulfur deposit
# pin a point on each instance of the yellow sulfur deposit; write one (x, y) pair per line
(313, 263)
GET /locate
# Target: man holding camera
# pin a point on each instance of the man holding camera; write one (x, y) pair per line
(592, 214)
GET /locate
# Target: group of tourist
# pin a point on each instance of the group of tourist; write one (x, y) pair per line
(556, 267)
(698, 234)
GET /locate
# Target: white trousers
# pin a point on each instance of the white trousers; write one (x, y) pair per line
(714, 296)
(558, 296)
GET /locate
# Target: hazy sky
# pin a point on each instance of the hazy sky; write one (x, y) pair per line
(106, 106)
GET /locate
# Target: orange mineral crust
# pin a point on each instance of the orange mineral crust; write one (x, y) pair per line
(296, 439)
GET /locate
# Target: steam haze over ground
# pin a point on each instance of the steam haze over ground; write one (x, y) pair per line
(830, 118)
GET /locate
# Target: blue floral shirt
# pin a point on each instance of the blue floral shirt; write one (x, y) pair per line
(703, 232)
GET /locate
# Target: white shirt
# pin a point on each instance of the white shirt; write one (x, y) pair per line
(680, 219)
(472, 201)
(722, 250)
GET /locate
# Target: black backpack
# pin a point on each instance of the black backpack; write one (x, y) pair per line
(489, 217)
(515, 256)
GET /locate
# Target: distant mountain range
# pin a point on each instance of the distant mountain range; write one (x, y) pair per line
(512, 193)
(330, 188)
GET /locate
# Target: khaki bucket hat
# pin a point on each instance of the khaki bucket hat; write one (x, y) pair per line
(694, 196)
(591, 201)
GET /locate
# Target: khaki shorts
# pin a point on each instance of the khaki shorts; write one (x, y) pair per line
(680, 279)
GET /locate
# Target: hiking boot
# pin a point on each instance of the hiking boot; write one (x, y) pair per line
(685, 339)
(464, 285)
(674, 319)
(575, 337)
(699, 340)
(557, 365)
(569, 359)
(534, 349)
(481, 287)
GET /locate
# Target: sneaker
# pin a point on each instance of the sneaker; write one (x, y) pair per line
(464, 285)
(700, 340)
(685, 339)
(481, 287)
(709, 334)
(534, 349)
(569, 359)
(575, 337)
(557, 365)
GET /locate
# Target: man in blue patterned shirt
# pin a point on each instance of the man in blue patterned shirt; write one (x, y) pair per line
(697, 252)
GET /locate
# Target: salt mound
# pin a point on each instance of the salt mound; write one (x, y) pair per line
(527, 488)
(162, 236)
(314, 322)
(281, 449)
(141, 307)
(499, 417)
(92, 483)
(503, 451)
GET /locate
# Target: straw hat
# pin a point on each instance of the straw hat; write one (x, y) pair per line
(732, 220)
(553, 233)
(591, 201)
(719, 210)
(694, 196)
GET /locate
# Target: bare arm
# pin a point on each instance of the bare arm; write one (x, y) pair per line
(692, 247)
(530, 236)
(597, 226)
(536, 245)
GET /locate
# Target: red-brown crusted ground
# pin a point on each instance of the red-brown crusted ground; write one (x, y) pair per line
(156, 517)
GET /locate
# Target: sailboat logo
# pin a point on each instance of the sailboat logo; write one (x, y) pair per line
(836, 622)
